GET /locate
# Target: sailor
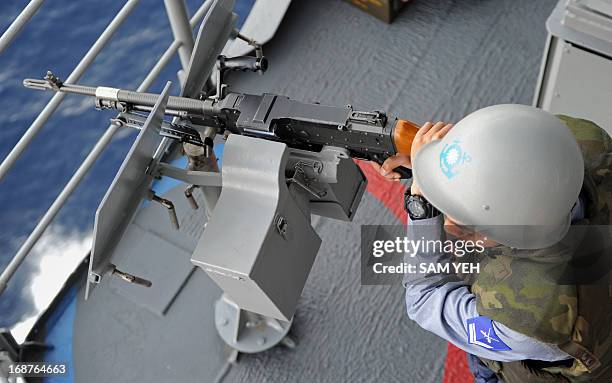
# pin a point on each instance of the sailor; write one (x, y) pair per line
(516, 178)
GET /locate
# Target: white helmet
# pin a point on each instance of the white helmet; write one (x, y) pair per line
(513, 172)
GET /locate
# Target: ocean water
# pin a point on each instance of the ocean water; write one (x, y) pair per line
(55, 39)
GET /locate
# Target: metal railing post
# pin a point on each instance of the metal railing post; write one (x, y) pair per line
(42, 118)
(167, 56)
(181, 29)
(55, 207)
(20, 21)
(75, 180)
(88, 163)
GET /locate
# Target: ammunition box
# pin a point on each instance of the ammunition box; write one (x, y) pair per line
(385, 10)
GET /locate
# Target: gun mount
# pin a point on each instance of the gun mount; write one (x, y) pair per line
(284, 160)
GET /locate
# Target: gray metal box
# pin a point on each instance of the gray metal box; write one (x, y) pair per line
(259, 245)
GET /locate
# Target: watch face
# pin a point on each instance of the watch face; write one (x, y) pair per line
(416, 208)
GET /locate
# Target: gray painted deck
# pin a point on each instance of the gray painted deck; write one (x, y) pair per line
(440, 60)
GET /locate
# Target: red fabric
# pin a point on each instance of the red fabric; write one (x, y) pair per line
(390, 194)
(456, 368)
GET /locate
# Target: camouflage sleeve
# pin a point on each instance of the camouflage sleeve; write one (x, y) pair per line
(442, 304)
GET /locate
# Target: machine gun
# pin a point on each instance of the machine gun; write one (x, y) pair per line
(371, 136)
(283, 160)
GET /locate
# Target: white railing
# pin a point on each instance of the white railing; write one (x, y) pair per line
(13, 30)
(183, 43)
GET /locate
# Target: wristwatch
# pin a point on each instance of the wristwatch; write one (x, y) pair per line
(418, 207)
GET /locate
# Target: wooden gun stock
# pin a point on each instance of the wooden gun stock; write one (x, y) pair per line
(403, 135)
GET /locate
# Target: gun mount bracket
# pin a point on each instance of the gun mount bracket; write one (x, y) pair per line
(251, 42)
(305, 174)
(111, 270)
(182, 133)
(247, 331)
(257, 64)
(168, 205)
(189, 195)
(302, 165)
(281, 226)
(129, 278)
(102, 104)
(94, 277)
(190, 177)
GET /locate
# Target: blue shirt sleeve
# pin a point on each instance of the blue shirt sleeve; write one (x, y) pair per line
(443, 305)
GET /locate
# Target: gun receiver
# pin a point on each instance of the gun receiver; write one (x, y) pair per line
(310, 126)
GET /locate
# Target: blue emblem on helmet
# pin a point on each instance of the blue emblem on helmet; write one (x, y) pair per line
(452, 157)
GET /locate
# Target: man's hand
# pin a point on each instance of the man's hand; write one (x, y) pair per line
(426, 133)
(386, 170)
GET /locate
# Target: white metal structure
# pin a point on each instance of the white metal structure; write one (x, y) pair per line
(576, 73)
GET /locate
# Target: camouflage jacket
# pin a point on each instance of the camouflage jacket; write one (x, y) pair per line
(538, 294)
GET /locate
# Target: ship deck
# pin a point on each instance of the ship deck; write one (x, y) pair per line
(439, 60)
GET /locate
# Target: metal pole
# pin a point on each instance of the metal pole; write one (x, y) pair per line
(16, 26)
(83, 169)
(46, 113)
(80, 173)
(181, 29)
(55, 207)
(182, 32)
(169, 53)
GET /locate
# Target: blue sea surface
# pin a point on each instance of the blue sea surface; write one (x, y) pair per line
(55, 39)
